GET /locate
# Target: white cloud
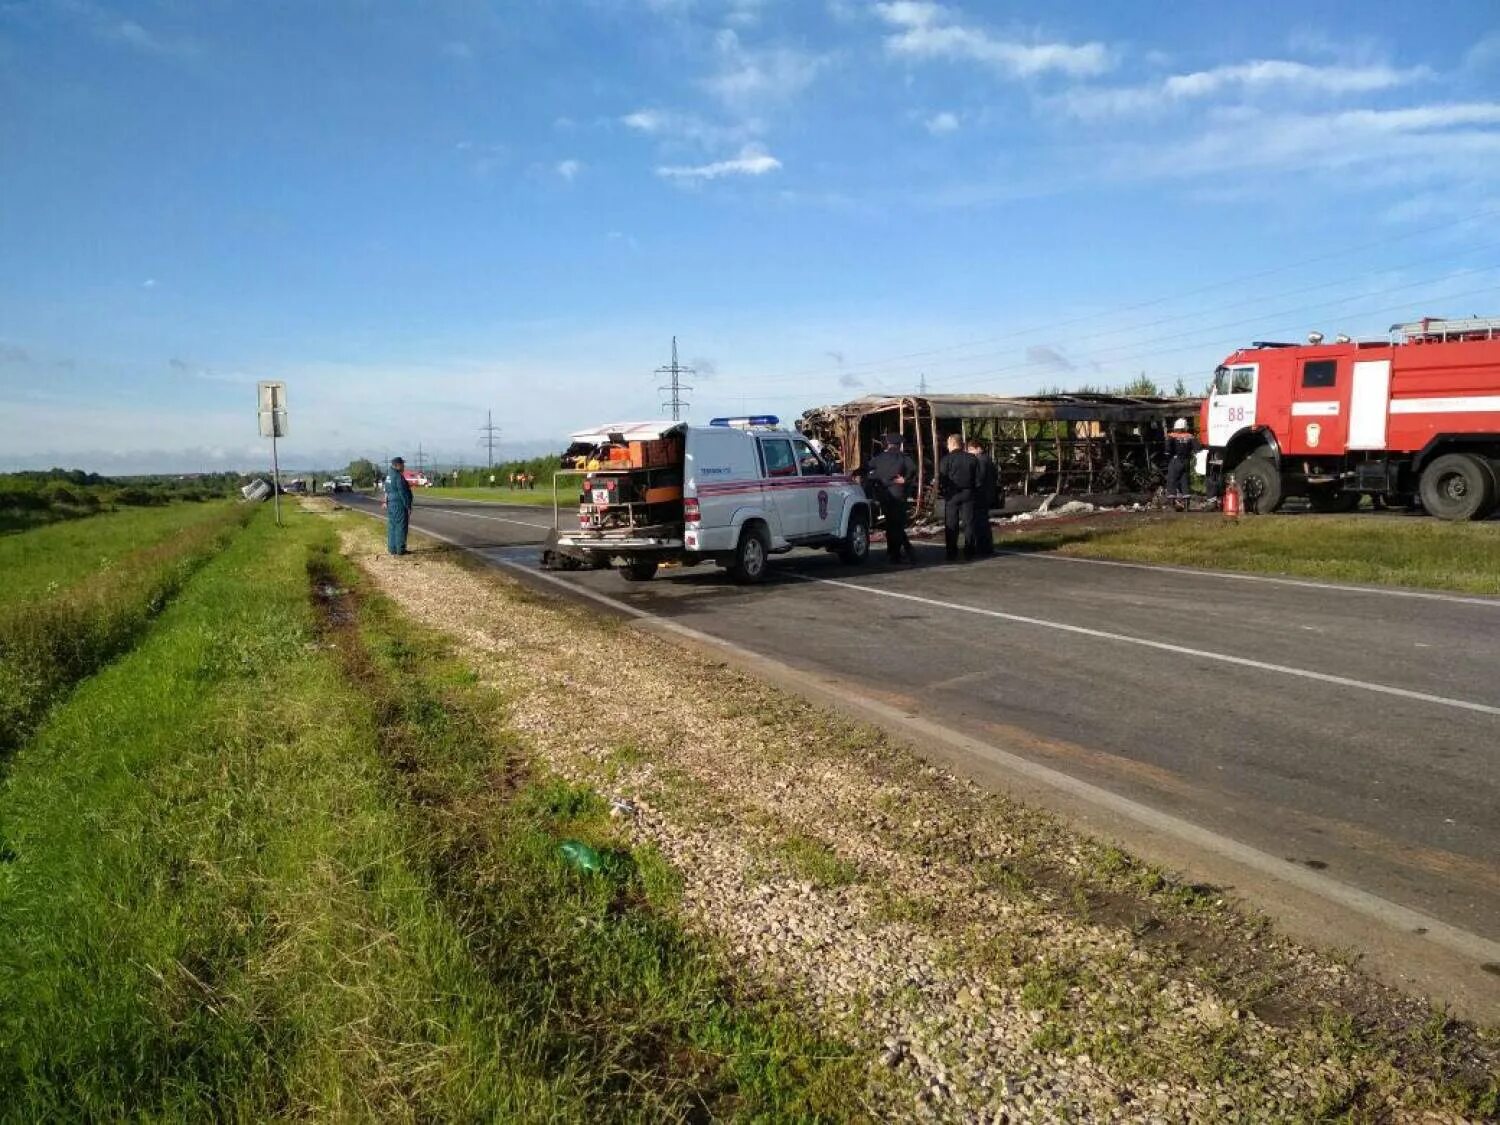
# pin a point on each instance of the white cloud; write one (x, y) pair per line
(926, 30)
(670, 125)
(149, 283)
(753, 160)
(569, 169)
(749, 76)
(940, 123)
(1248, 79)
(1433, 139)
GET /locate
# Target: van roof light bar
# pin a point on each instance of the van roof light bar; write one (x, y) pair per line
(747, 422)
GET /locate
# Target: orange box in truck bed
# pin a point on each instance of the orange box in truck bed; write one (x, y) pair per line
(653, 454)
(663, 494)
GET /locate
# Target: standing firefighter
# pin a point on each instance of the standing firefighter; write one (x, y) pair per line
(889, 473)
(1181, 447)
(985, 498)
(958, 479)
(397, 504)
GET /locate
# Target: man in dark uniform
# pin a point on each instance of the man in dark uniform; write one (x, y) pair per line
(1181, 448)
(889, 473)
(985, 499)
(958, 477)
(397, 504)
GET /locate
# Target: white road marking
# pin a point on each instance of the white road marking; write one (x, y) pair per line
(1303, 583)
(497, 519)
(1166, 646)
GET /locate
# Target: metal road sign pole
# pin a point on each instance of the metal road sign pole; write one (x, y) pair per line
(275, 476)
(271, 402)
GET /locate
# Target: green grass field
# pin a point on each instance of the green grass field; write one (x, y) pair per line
(539, 495)
(1392, 551)
(53, 557)
(98, 600)
(283, 860)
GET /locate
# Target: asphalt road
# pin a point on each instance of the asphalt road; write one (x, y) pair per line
(1348, 731)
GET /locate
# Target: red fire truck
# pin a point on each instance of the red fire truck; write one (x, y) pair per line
(1415, 415)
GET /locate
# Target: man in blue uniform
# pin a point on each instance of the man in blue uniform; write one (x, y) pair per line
(397, 504)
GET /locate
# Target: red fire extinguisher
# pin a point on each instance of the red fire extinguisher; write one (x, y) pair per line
(1234, 503)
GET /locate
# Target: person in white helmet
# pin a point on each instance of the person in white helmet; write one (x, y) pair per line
(1182, 445)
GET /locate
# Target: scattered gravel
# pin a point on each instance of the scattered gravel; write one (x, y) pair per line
(945, 931)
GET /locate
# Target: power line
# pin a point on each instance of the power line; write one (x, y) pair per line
(876, 366)
(487, 435)
(675, 387)
(1001, 372)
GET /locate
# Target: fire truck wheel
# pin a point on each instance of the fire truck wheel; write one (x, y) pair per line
(1458, 486)
(1332, 500)
(639, 570)
(856, 545)
(1260, 482)
(750, 556)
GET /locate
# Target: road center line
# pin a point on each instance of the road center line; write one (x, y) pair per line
(1304, 583)
(1166, 646)
(480, 516)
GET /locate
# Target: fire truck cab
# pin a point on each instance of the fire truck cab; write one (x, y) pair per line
(1415, 415)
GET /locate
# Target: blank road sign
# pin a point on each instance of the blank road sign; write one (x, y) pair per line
(272, 408)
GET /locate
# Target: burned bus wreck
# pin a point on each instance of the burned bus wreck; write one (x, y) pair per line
(1111, 448)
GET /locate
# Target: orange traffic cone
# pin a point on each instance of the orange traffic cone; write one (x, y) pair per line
(1233, 502)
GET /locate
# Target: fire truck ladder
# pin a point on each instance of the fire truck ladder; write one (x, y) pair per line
(1434, 328)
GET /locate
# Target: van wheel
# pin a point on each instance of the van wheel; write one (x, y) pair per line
(1260, 482)
(1458, 486)
(856, 545)
(639, 570)
(750, 556)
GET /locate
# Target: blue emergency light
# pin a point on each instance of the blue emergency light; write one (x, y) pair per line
(745, 423)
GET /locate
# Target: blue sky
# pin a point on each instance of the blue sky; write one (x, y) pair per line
(414, 213)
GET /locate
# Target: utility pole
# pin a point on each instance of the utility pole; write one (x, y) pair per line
(922, 386)
(488, 433)
(675, 371)
(421, 472)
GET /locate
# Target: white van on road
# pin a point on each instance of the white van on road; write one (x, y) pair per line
(733, 492)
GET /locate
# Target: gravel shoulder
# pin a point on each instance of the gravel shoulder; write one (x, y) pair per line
(992, 964)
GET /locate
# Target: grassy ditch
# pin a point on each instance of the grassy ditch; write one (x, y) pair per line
(1381, 550)
(62, 633)
(45, 561)
(278, 862)
(611, 990)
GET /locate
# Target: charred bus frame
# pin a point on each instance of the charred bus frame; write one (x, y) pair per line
(1101, 445)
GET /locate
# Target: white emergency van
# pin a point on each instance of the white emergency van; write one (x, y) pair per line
(733, 492)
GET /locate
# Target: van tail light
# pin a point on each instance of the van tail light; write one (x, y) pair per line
(690, 511)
